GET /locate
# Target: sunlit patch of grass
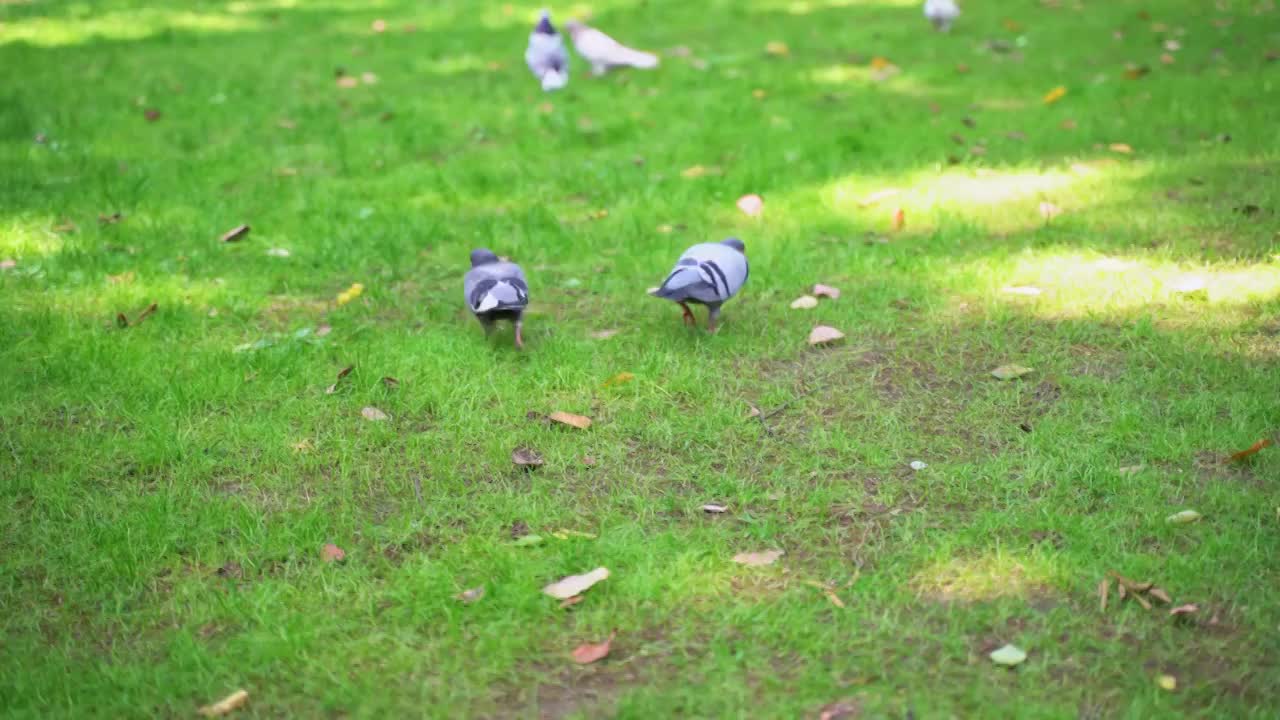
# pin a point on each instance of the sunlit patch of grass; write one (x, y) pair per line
(119, 25)
(987, 577)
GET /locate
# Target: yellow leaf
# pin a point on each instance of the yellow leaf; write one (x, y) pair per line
(777, 48)
(350, 293)
(1122, 148)
(880, 63)
(1167, 682)
(1054, 95)
(620, 378)
(695, 171)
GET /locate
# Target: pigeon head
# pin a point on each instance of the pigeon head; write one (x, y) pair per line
(482, 256)
(544, 24)
(736, 244)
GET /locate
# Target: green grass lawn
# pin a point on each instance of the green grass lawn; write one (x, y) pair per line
(167, 487)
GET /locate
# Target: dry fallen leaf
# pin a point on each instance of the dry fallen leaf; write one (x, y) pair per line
(390, 383)
(1122, 148)
(226, 705)
(1010, 372)
(277, 252)
(604, 334)
(847, 709)
(1009, 656)
(1187, 609)
(526, 458)
(379, 25)
(757, 559)
(1055, 95)
(351, 293)
(347, 81)
(8, 264)
(470, 596)
(899, 219)
(697, 171)
(1160, 594)
(123, 278)
(620, 378)
(824, 335)
(1183, 517)
(1069, 124)
(591, 652)
(777, 48)
(528, 541)
(804, 302)
(588, 460)
(235, 234)
(1131, 469)
(1252, 449)
(714, 509)
(751, 204)
(581, 422)
(152, 115)
(575, 584)
(374, 414)
(1104, 588)
(368, 78)
(1167, 682)
(821, 290)
(331, 553)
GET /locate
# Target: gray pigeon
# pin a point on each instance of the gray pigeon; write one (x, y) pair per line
(707, 274)
(496, 290)
(546, 57)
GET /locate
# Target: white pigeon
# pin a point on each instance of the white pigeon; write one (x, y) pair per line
(603, 52)
(941, 13)
(546, 57)
(706, 274)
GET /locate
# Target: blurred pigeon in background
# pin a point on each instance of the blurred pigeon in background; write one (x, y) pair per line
(546, 57)
(941, 13)
(603, 52)
(496, 290)
(706, 274)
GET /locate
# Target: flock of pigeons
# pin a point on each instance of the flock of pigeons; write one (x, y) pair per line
(706, 274)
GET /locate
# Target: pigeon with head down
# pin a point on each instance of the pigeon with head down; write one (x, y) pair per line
(706, 274)
(546, 57)
(941, 13)
(496, 290)
(605, 53)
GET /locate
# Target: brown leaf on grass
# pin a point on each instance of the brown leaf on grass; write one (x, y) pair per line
(619, 379)
(368, 78)
(526, 458)
(390, 383)
(122, 320)
(8, 264)
(1104, 589)
(323, 330)
(146, 313)
(235, 234)
(470, 596)
(777, 48)
(804, 302)
(1251, 450)
(588, 460)
(1133, 586)
(373, 414)
(286, 124)
(821, 290)
(331, 553)
(824, 335)
(124, 278)
(1187, 609)
(1145, 603)
(1160, 594)
(587, 653)
(1055, 95)
(581, 422)
(226, 705)
(379, 25)
(64, 227)
(714, 509)
(347, 81)
(575, 584)
(1011, 372)
(1122, 148)
(1167, 59)
(1133, 72)
(1069, 124)
(604, 334)
(303, 445)
(758, 559)
(835, 599)
(899, 219)
(111, 219)
(152, 115)
(571, 601)
(752, 205)
(847, 709)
